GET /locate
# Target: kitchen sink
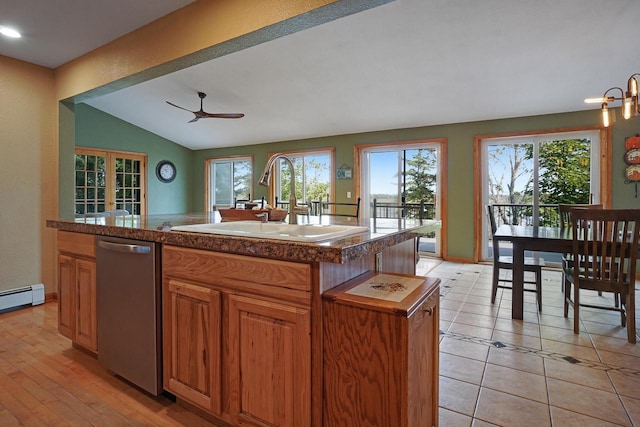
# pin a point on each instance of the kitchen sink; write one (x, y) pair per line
(278, 231)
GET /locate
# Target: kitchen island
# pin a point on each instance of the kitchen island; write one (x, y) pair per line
(243, 317)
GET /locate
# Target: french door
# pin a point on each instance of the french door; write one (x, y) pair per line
(110, 180)
(526, 177)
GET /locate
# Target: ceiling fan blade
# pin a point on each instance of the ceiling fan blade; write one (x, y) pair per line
(177, 106)
(224, 115)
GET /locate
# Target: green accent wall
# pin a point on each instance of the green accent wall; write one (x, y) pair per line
(460, 142)
(96, 129)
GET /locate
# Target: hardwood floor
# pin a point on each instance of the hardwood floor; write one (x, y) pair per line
(46, 382)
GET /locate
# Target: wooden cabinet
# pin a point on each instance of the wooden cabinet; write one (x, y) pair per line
(237, 336)
(192, 343)
(380, 363)
(271, 362)
(77, 289)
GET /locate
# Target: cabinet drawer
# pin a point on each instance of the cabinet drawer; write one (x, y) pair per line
(257, 275)
(77, 243)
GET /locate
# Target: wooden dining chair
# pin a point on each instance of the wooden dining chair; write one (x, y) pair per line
(607, 242)
(565, 224)
(500, 262)
(345, 209)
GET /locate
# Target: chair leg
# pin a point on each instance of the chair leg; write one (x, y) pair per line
(494, 285)
(576, 309)
(567, 291)
(630, 308)
(539, 288)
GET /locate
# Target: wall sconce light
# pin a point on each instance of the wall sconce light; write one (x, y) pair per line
(629, 100)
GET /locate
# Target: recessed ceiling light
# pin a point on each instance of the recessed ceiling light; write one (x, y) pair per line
(9, 32)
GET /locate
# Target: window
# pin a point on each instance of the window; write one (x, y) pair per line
(109, 180)
(313, 171)
(527, 176)
(228, 179)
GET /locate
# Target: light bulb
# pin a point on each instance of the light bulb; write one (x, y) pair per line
(626, 107)
(605, 115)
(633, 86)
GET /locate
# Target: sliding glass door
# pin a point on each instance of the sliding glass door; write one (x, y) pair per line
(526, 177)
(403, 180)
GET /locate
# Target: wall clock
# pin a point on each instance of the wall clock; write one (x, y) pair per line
(166, 171)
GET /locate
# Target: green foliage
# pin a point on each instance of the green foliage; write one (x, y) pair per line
(565, 172)
(421, 176)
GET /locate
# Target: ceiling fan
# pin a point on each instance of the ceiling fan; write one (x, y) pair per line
(201, 114)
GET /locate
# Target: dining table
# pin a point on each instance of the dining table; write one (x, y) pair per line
(530, 238)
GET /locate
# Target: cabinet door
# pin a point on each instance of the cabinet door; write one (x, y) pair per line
(66, 295)
(192, 343)
(86, 333)
(270, 362)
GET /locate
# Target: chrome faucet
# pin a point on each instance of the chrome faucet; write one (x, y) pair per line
(293, 203)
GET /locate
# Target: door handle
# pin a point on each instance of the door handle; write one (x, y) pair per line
(124, 248)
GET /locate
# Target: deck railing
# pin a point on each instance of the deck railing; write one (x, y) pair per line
(522, 214)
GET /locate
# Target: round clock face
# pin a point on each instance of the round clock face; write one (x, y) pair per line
(166, 171)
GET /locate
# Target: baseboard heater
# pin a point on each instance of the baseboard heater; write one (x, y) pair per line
(27, 295)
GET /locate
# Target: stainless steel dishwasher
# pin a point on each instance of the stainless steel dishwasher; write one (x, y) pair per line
(128, 310)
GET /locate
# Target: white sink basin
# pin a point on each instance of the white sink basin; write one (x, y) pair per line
(278, 231)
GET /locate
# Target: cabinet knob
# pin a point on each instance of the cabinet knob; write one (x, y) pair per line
(429, 310)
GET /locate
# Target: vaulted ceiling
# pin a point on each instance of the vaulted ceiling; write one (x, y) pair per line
(408, 63)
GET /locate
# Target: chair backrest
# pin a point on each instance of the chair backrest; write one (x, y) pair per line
(607, 241)
(491, 218)
(329, 208)
(565, 212)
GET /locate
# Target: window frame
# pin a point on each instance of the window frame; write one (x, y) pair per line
(209, 177)
(275, 185)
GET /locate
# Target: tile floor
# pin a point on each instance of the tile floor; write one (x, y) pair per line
(534, 372)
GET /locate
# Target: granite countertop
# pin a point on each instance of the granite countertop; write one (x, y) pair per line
(383, 233)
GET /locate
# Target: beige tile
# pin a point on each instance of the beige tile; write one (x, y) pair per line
(446, 314)
(586, 400)
(472, 331)
(480, 423)
(625, 384)
(507, 410)
(475, 320)
(464, 348)
(517, 340)
(487, 310)
(458, 396)
(616, 345)
(518, 327)
(577, 351)
(518, 383)
(557, 321)
(450, 304)
(565, 418)
(453, 419)
(583, 375)
(620, 360)
(528, 362)
(565, 335)
(461, 368)
(633, 409)
(596, 328)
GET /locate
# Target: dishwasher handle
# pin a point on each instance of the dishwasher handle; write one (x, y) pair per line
(124, 248)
